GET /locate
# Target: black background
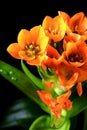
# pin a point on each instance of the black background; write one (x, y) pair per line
(15, 16)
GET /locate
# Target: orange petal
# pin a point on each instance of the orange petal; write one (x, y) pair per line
(76, 21)
(64, 101)
(45, 97)
(35, 32)
(23, 56)
(52, 52)
(68, 84)
(13, 49)
(54, 27)
(47, 22)
(24, 37)
(65, 16)
(82, 74)
(79, 88)
(36, 61)
(42, 39)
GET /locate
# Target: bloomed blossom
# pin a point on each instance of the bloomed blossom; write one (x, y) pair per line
(76, 53)
(55, 27)
(67, 74)
(31, 45)
(76, 23)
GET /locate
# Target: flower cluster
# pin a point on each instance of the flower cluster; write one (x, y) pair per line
(58, 46)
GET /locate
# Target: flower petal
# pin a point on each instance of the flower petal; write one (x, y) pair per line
(24, 37)
(13, 50)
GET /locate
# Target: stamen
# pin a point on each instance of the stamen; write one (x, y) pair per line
(32, 49)
(75, 58)
(54, 32)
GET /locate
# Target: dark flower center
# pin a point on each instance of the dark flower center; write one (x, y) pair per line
(75, 58)
(32, 49)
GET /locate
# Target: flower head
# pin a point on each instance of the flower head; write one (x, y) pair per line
(31, 45)
(78, 23)
(55, 27)
(76, 53)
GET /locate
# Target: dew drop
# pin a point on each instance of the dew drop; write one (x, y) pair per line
(12, 75)
(13, 78)
(1, 70)
(11, 72)
(4, 72)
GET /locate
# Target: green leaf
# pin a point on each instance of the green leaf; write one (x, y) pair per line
(21, 113)
(43, 123)
(20, 80)
(36, 81)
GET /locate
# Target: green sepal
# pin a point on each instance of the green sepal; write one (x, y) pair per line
(43, 123)
(36, 81)
(57, 123)
(47, 75)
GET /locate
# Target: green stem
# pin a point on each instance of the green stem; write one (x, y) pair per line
(33, 78)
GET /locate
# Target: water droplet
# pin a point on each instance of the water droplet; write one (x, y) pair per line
(12, 75)
(13, 78)
(4, 72)
(11, 72)
(1, 70)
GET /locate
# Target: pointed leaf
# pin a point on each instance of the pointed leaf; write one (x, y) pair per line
(21, 113)
(22, 82)
(19, 79)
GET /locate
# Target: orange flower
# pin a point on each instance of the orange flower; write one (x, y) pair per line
(67, 75)
(56, 105)
(76, 53)
(75, 24)
(78, 23)
(31, 45)
(54, 27)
